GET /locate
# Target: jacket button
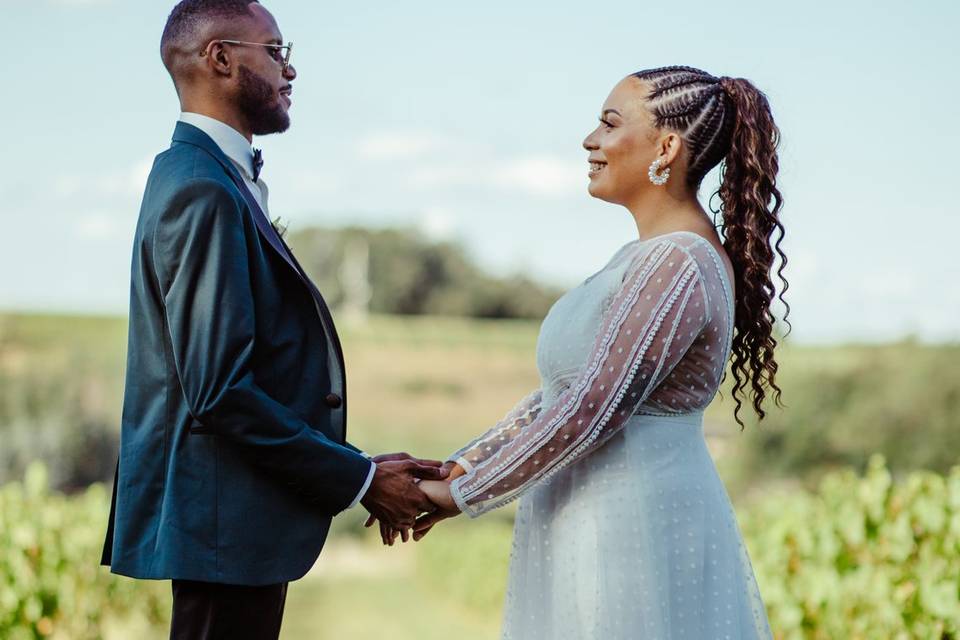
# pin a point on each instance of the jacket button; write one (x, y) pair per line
(334, 401)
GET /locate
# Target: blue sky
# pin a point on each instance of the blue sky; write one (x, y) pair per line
(466, 119)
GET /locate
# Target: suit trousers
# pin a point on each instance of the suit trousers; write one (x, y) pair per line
(210, 611)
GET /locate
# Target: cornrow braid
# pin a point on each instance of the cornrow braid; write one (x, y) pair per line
(693, 103)
(729, 120)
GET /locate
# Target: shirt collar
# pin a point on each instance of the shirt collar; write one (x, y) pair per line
(230, 141)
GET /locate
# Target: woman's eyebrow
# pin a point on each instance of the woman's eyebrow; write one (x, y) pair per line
(614, 111)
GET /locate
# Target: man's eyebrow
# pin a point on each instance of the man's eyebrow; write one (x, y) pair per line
(606, 111)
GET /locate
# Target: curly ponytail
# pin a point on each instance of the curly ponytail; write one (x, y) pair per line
(750, 202)
(729, 120)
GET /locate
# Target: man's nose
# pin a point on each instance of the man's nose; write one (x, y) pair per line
(290, 72)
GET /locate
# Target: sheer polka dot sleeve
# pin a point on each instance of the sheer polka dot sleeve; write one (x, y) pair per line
(645, 330)
(500, 434)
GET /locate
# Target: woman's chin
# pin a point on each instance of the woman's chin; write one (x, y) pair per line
(596, 190)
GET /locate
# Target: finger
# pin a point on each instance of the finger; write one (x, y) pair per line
(427, 473)
(370, 521)
(425, 462)
(424, 523)
(418, 535)
(391, 457)
(405, 534)
(384, 533)
(424, 505)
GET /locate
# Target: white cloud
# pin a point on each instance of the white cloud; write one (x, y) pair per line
(437, 176)
(103, 225)
(536, 175)
(126, 182)
(437, 223)
(888, 284)
(304, 184)
(80, 3)
(387, 145)
(541, 175)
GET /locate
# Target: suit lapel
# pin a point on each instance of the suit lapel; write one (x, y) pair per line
(192, 135)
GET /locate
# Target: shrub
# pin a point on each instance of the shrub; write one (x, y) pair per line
(862, 557)
(51, 584)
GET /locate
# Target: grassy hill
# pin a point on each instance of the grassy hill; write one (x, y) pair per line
(426, 385)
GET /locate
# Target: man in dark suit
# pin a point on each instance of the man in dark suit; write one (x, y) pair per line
(233, 452)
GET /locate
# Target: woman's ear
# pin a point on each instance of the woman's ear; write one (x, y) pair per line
(670, 146)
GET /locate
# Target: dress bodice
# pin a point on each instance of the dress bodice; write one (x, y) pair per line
(649, 333)
(569, 329)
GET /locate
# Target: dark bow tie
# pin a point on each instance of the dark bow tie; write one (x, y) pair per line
(257, 163)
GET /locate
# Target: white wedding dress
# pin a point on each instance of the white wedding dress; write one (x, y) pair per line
(624, 530)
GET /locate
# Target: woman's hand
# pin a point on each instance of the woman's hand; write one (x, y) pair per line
(437, 492)
(453, 470)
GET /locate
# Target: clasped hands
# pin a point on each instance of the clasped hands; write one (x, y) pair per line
(409, 493)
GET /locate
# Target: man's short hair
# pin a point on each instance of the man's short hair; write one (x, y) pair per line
(188, 18)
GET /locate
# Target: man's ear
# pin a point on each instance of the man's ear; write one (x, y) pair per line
(219, 58)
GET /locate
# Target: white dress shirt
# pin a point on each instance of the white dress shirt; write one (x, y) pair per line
(235, 146)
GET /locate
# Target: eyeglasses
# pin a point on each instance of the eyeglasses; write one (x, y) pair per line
(276, 50)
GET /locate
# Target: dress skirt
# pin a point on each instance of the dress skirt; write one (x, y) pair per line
(638, 540)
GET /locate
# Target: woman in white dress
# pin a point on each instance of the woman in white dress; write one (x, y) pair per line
(624, 529)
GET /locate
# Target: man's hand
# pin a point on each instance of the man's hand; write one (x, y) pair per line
(393, 496)
(439, 492)
(394, 457)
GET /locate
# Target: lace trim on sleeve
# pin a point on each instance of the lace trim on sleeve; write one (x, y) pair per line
(639, 337)
(510, 426)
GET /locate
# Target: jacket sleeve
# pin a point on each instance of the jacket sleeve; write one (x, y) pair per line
(650, 324)
(356, 449)
(202, 265)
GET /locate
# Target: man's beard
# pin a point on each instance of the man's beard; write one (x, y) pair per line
(257, 103)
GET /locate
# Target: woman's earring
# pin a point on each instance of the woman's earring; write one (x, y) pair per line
(661, 179)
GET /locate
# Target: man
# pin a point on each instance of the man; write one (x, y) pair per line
(233, 456)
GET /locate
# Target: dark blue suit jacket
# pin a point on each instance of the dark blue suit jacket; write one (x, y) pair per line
(233, 457)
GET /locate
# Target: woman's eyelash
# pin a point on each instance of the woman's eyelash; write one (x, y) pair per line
(606, 123)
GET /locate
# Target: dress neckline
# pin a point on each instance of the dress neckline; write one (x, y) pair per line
(716, 254)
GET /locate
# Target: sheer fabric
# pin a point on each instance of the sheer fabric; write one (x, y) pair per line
(624, 530)
(490, 442)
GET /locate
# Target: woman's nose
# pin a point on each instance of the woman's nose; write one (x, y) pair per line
(589, 143)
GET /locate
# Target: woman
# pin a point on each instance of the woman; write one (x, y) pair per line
(625, 529)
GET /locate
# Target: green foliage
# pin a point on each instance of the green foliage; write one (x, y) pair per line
(61, 379)
(843, 403)
(51, 584)
(476, 578)
(861, 558)
(410, 275)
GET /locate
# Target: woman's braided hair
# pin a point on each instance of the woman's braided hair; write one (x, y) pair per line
(729, 120)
